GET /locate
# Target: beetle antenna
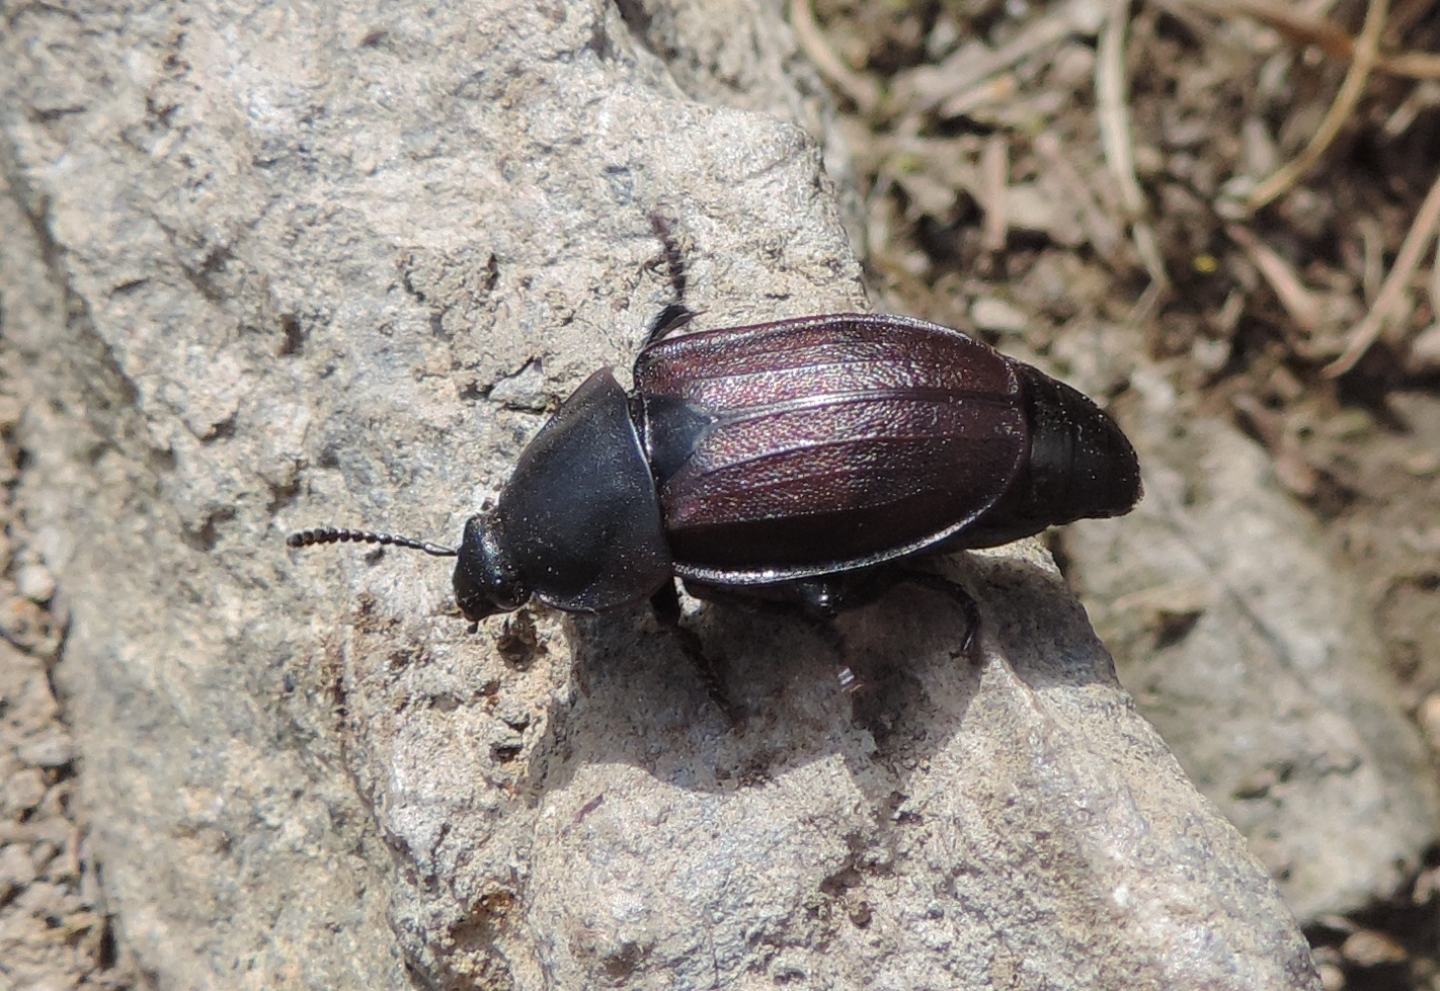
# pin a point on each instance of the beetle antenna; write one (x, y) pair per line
(338, 535)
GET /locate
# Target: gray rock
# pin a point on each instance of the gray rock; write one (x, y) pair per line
(267, 263)
(1247, 647)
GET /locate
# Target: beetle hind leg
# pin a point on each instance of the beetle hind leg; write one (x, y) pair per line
(667, 321)
(676, 314)
(956, 593)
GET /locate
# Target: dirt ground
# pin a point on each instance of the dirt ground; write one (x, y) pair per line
(54, 928)
(1298, 302)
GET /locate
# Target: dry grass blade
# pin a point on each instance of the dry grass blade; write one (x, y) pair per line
(1367, 50)
(1114, 119)
(1311, 29)
(1412, 250)
(1416, 65)
(1435, 286)
(964, 70)
(1101, 227)
(1290, 21)
(995, 169)
(1299, 302)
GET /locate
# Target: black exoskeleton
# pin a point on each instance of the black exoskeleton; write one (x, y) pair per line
(811, 460)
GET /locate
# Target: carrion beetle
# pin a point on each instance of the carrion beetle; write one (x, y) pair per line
(810, 460)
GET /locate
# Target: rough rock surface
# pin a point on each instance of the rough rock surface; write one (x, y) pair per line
(1253, 656)
(269, 265)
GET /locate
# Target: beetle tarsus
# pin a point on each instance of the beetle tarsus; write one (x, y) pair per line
(663, 227)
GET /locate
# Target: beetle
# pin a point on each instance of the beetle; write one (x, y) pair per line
(810, 460)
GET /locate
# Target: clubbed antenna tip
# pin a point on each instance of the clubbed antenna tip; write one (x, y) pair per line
(339, 535)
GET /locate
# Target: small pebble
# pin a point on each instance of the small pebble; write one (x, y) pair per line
(1424, 356)
(1423, 464)
(1368, 948)
(16, 868)
(1028, 208)
(35, 582)
(525, 390)
(53, 749)
(24, 791)
(997, 316)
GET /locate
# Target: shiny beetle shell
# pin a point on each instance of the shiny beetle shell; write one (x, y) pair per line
(801, 460)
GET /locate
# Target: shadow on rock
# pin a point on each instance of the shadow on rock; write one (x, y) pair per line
(642, 702)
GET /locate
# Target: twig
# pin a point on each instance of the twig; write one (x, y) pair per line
(1323, 33)
(964, 69)
(1114, 116)
(1366, 50)
(994, 171)
(1298, 301)
(994, 89)
(861, 90)
(1101, 227)
(1412, 250)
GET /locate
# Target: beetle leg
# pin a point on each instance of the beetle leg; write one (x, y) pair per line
(663, 227)
(956, 592)
(823, 624)
(666, 603)
(816, 600)
(820, 597)
(826, 597)
(675, 315)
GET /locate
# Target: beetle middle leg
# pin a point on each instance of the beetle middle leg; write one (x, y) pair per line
(817, 600)
(822, 598)
(666, 604)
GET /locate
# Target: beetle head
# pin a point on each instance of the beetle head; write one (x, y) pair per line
(486, 580)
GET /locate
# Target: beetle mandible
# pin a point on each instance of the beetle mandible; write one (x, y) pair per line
(810, 460)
